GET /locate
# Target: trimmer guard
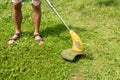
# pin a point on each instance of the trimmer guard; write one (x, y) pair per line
(70, 54)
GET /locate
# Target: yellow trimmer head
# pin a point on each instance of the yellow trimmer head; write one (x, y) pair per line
(77, 47)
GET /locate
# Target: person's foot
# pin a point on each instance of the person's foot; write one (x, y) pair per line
(14, 38)
(39, 38)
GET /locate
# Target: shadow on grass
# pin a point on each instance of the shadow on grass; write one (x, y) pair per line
(108, 2)
(87, 56)
(49, 31)
(55, 30)
(59, 28)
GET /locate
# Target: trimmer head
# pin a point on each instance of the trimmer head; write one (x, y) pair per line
(69, 54)
(77, 47)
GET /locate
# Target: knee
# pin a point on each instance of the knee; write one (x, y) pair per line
(17, 6)
(16, 1)
(36, 3)
(36, 7)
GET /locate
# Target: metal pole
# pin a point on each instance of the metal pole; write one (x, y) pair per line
(50, 4)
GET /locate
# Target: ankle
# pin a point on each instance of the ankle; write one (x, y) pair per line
(36, 33)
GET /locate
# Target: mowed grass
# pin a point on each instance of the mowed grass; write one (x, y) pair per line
(98, 25)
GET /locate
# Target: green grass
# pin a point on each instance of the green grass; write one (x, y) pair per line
(97, 24)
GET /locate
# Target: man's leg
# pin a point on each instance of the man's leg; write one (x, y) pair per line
(17, 15)
(36, 5)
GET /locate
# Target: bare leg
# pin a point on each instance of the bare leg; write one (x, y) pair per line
(37, 20)
(17, 14)
(36, 17)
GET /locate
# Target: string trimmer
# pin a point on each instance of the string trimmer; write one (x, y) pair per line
(77, 47)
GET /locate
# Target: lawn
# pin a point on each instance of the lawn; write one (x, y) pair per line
(97, 23)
